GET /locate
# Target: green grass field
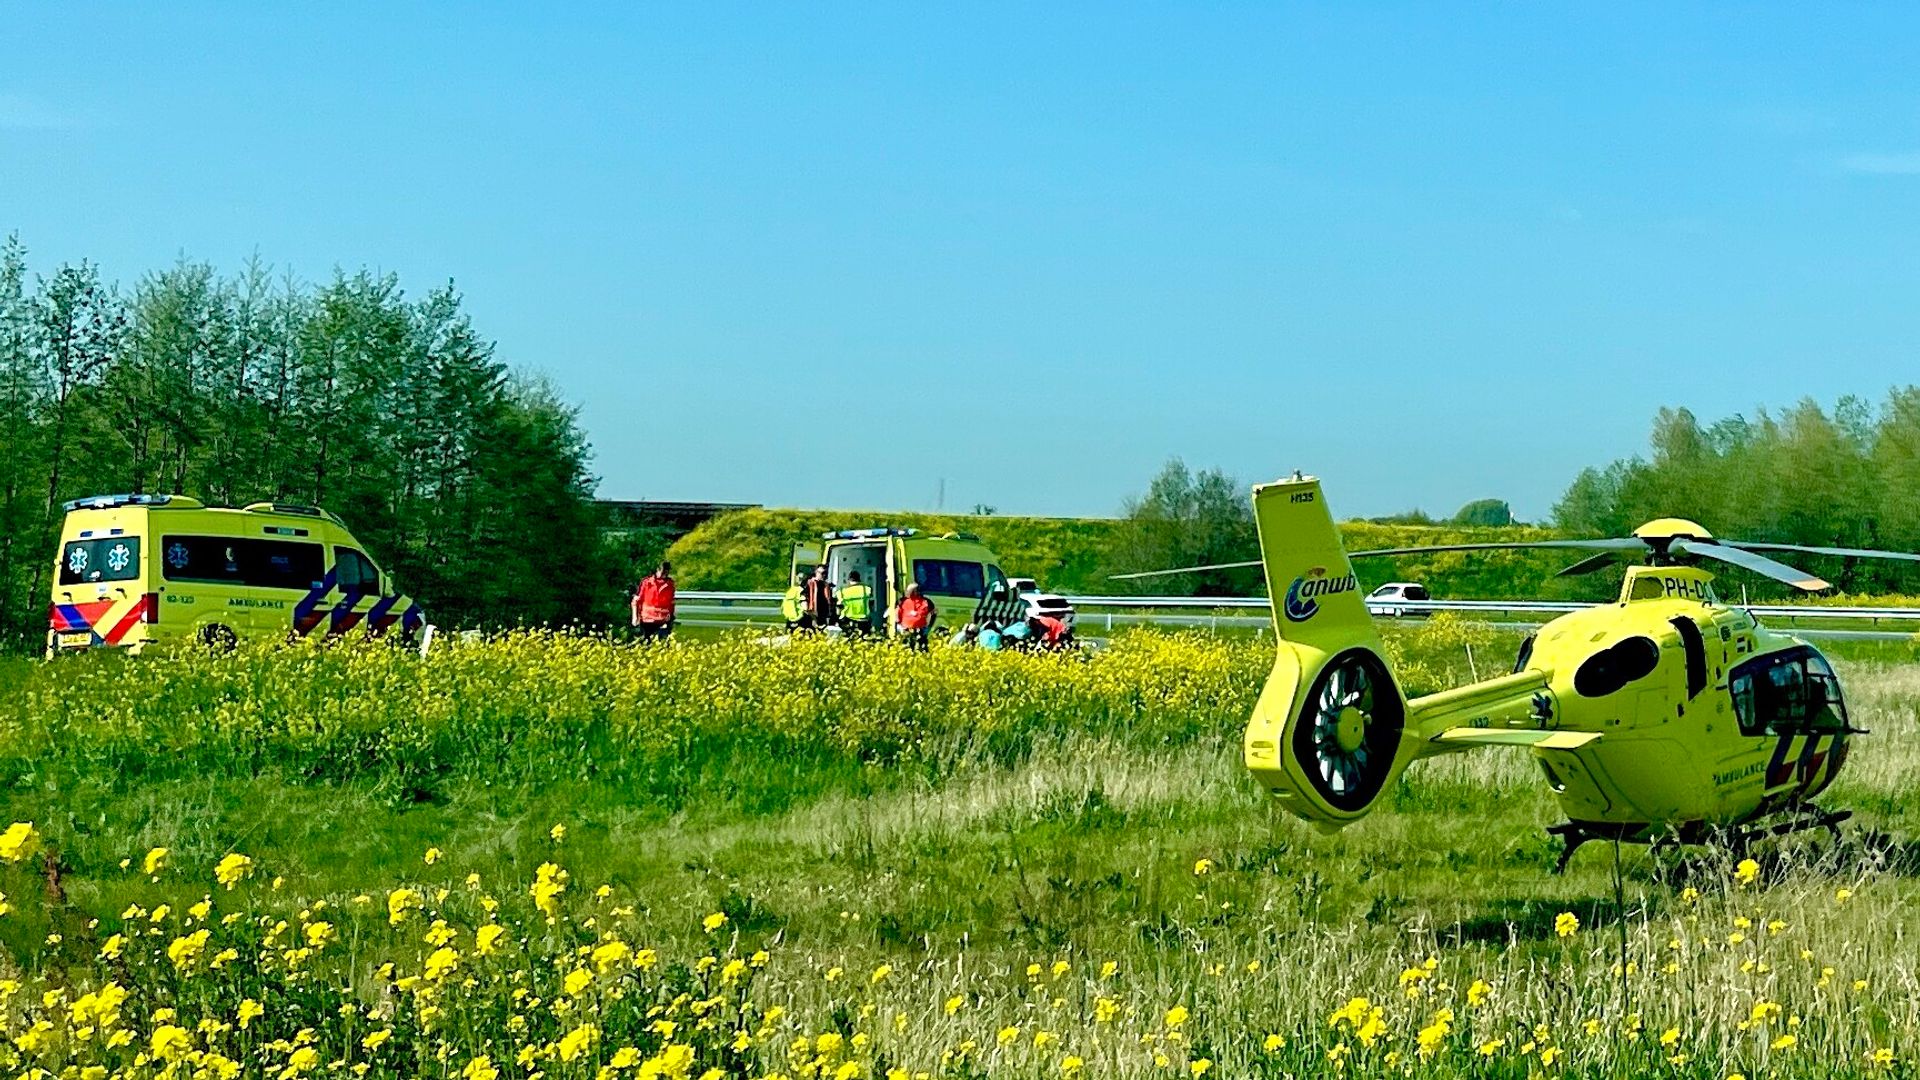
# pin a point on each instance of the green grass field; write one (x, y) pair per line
(952, 865)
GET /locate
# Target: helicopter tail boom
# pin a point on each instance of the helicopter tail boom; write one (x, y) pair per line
(1517, 704)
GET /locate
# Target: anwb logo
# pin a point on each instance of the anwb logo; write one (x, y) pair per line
(1301, 603)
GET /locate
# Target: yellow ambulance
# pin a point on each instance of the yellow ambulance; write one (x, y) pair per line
(954, 570)
(138, 569)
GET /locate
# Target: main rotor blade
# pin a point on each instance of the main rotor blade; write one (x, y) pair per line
(1591, 564)
(1749, 560)
(1184, 570)
(1624, 543)
(1631, 544)
(1840, 553)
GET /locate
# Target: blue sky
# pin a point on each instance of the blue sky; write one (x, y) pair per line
(1429, 252)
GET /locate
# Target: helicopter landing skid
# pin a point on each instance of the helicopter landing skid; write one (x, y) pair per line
(1575, 833)
(1805, 821)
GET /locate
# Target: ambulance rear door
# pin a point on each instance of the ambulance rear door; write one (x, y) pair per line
(805, 558)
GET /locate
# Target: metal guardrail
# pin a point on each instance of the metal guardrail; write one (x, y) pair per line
(1217, 612)
(727, 600)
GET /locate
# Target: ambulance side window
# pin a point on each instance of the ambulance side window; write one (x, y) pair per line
(354, 572)
(946, 577)
(230, 560)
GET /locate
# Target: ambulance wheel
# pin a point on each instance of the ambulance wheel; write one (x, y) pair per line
(219, 639)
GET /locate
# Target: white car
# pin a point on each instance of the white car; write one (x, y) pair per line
(1387, 601)
(1052, 605)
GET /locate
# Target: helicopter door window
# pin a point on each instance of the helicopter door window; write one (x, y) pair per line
(1525, 656)
(1694, 643)
(1787, 693)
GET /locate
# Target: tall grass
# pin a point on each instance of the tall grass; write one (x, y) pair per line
(939, 879)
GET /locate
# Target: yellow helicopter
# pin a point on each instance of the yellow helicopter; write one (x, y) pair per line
(1664, 716)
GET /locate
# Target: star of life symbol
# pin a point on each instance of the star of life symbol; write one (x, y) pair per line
(77, 560)
(119, 557)
(177, 555)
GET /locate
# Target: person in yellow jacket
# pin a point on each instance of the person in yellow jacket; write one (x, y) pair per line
(793, 606)
(856, 607)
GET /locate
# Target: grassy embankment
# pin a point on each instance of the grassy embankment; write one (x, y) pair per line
(941, 855)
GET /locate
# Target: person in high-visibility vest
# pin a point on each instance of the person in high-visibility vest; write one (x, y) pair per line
(913, 618)
(856, 606)
(793, 606)
(653, 605)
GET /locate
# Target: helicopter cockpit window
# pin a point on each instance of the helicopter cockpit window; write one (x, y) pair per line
(1787, 693)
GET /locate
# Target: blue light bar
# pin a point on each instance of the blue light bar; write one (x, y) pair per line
(867, 534)
(108, 502)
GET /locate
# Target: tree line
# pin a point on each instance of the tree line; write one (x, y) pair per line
(1845, 477)
(467, 481)
(1187, 518)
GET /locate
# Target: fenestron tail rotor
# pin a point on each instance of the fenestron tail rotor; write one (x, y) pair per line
(1349, 730)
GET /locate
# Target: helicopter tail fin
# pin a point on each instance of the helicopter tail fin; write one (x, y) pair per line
(1330, 731)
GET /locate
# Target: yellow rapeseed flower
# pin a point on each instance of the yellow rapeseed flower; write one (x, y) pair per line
(18, 842)
(184, 950)
(713, 922)
(608, 954)
(441, 964)
(155, 861)
(400, 904)
(170, 1042)
(232, 869)
(1746, 872)
(1566, 924)
(487, 939)
(576, 1042)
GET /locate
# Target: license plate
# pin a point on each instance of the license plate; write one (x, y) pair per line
(77, 640)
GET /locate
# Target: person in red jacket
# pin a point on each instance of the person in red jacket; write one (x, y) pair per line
(1050, 633)
(913, 617)
(653, 605)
